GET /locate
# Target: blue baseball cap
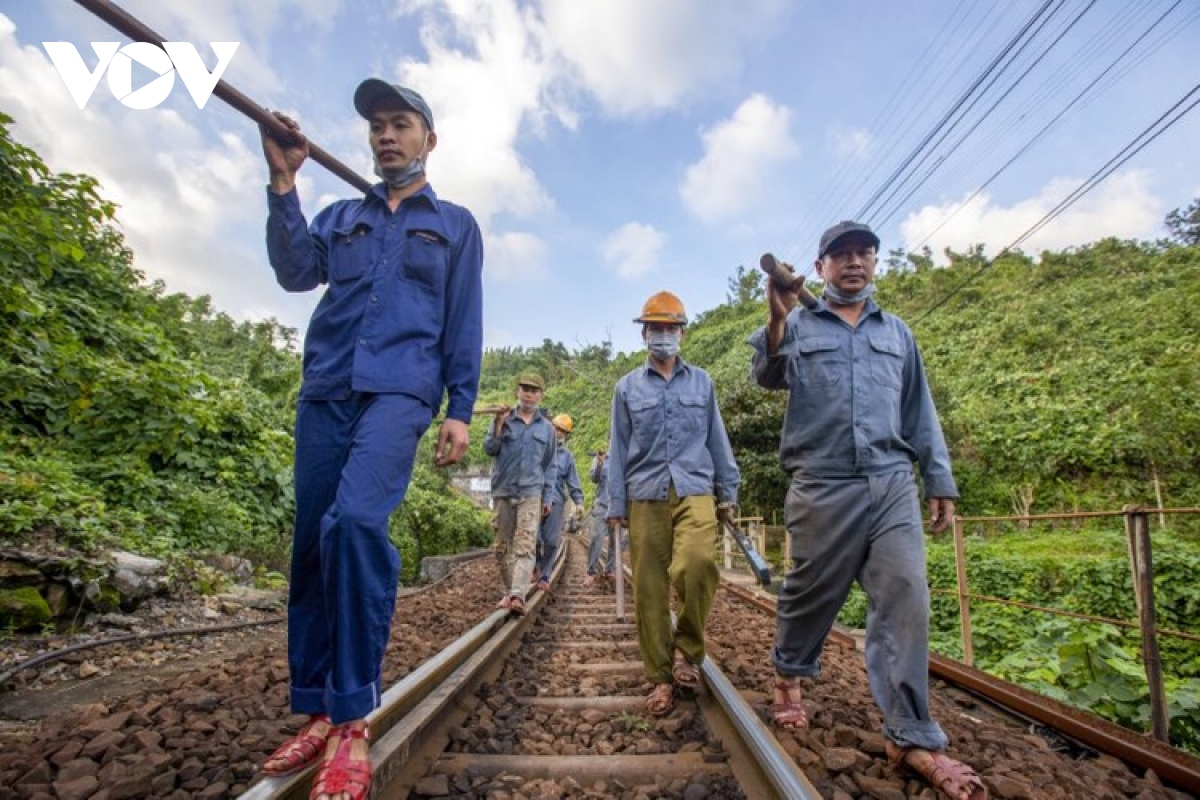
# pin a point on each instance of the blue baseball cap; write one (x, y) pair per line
(372, 90)
(845, 228)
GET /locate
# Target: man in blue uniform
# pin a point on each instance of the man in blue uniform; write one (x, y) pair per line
(398, 328)
(522, 442)
(670, 464)
(859, 415)
(566, 483)
(598, 472)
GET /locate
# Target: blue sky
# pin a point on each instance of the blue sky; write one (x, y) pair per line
(613, 148)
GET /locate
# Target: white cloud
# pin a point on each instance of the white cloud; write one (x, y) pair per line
(632, 249)
(1123, 206)
(851, 143)
(740, 161)
(183, 210)
(513, 255)
(637, 56)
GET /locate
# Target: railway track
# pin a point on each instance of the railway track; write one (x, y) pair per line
(552, 704)
(484, 705)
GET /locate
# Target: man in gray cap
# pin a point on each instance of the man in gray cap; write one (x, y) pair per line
(859, 415)
(397, 331)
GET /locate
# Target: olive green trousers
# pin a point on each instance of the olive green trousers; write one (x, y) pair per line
(672, 543)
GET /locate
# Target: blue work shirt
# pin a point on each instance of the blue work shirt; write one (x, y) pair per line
(858, 402)
(524, 456)
(598, 472)
(566, 477)
(403, 307)
(664, 432)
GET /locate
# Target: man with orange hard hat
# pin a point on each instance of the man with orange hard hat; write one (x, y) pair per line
(671, 474)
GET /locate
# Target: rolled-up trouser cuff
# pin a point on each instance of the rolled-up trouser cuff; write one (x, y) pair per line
(927, 735)
(347, 706)
(308, 701)
(793, 670)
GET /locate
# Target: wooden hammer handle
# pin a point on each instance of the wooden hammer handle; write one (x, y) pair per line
(786, 279)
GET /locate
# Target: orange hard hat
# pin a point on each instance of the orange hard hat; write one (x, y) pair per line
(663, 307)
(564, 423)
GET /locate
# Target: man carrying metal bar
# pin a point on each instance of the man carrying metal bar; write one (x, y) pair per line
(669, 456)
(566, 483)
(859, 414)
(399, 326)
(523, 477)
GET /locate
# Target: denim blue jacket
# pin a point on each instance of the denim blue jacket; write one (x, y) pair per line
(525, 464)
(403, 307)
(858, 402)
(566, 477)
(668, 431)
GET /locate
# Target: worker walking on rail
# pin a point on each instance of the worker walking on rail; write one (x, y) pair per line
(566, 483)
(599, 533)
(399, 326)
(523, 477)
(859, 414)
(669, 457)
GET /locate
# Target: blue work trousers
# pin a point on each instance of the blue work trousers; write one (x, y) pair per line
(549, 538)
(867, 529)
(354, 459)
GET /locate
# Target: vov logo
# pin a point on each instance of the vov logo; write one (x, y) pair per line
(179, 57)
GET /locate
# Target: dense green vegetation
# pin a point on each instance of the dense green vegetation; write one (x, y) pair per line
(133, 417)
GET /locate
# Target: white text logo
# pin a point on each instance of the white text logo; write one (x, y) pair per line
(179, 56)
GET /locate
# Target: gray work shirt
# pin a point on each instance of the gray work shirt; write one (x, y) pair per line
(858, 401)
(566, 477)
(598, 472)
(668, 432)
(524, 456)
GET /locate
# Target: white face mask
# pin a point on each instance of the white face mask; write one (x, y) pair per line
(663, 345)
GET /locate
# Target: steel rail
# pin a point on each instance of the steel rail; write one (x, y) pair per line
(136, 30)
(1171, 764)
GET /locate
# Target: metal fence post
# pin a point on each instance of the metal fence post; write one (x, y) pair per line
(964, 602)
(1137, 528)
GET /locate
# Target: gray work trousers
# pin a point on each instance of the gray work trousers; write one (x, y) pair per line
(867, 529)
(598, 535)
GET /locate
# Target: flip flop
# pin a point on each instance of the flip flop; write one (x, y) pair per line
(661, 700)
(685, 673)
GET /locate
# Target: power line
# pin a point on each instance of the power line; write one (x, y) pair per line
(1129, 151)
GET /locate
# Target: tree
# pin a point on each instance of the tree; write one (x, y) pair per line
(746, 286)
(1184, 224)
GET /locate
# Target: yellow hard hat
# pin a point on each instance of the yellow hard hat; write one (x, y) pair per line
(663, 307)
(564, 423)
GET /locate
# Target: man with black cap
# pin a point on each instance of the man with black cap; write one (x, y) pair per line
(398, 328)
(859, 415)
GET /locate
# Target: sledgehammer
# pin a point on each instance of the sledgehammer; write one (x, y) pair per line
(786, 278)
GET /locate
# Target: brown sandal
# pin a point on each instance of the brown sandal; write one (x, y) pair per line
(661, 700)
(787, 705)
(299, 751)
(685, 673)
(951, 779)
(516, 605)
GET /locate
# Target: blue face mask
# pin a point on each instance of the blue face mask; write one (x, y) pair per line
(663, 345)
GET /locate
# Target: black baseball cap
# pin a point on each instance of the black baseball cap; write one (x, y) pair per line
(372, 90)
(844, 228)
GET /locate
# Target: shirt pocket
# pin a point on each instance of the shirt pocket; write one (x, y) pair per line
(820, 361)
(887, 360)
(693, 413)
(350, 252)
(426, 255)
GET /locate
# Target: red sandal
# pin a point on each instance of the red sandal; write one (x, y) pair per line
(341, 774)
(299, 751)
